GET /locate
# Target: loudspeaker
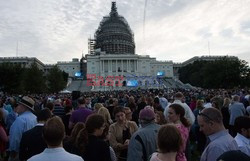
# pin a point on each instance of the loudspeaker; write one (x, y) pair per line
(75, 95)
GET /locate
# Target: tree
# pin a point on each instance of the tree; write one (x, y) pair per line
(11, 77)
(222, 73)
(57, 79)
(34, 81)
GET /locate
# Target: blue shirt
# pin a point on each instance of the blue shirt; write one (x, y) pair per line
(243, 143)
(163, 102)
(220, 142)
(236, 109)
(55, 154)
(10, 119)
(23, 122)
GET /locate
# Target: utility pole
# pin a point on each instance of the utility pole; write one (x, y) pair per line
(17, 49)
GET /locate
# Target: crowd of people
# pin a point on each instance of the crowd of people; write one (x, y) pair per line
(136, 125)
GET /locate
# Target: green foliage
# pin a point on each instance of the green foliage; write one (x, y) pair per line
(57, 79)
(34, 81)
(222, 73)
(11, 77)
(16, 79)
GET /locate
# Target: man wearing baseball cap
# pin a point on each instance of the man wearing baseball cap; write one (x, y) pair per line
(25, 121)
(143, 142)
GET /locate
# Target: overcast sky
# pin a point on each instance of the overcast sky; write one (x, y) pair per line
(58, 30)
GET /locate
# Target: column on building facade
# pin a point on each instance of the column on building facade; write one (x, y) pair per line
(122, 67)
(129, 65)
(103, 66)
(109, 68)
(137, 66)
(116, 66)
(100, 66)
(112, 66)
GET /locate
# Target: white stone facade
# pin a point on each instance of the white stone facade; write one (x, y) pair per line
(70, 67)
(126, 66)
(23, 61)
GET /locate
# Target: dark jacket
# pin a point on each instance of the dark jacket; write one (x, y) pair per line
(32, 143)
(96, 150)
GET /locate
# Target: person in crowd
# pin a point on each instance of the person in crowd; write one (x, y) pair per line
(53, 134)
(169, 142)
(97, 106)
(3, 137)
(9, 103)
(193, 103)
(120, 133)
(5, 112)
(208, 103)
(159, 118)
(128, 113)
(32, 141)
(225, 112)
(58, 108)
(176, 116)
(248, 107)
(11, 117)
(132, 105)
(89, 142)
(234, 155)
(178, 99)
(110, 107)
(105, 137)
(157, 106)
(242, 126)
(79, 115)
(217, 102)
(88, 103)
(24, 122)
(106, 115)
(50, 105)
(163, 101)
(68, 111)
(69, 142)
(143, 142)
(141, 104)
(219, 140)
(236, 109)
(149, 101)
(199, 136)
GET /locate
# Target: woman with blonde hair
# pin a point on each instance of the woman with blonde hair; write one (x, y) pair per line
(106, 115)
(97, 106)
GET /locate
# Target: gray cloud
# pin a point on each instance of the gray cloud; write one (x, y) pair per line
(245, 27)
(58, 30)
(204, 32)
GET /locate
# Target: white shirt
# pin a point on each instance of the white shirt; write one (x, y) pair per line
(188, 112)
(243, 143)
(55, 154)
(208, 105)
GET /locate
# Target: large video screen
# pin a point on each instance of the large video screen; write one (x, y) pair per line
(78, 74)
(160, 73)
(132, 83)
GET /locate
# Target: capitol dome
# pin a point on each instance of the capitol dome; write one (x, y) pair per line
(114, 35)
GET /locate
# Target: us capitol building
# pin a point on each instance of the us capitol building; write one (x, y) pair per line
(112, 53)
